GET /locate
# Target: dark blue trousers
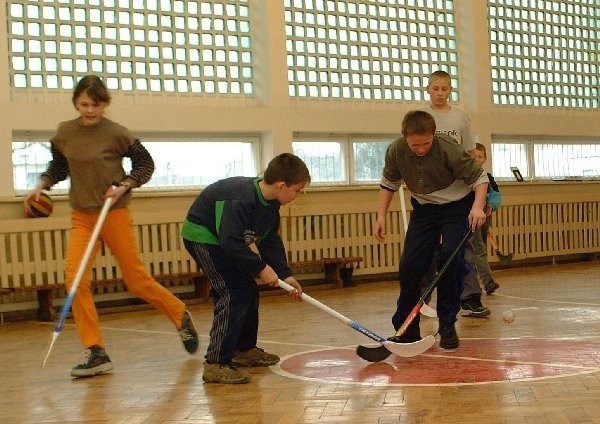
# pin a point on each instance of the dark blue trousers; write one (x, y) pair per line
(236, 299)
(428, 223)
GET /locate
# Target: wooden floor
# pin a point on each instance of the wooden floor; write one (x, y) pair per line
(542, 368)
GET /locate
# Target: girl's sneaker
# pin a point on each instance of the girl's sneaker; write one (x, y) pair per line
(97, 362)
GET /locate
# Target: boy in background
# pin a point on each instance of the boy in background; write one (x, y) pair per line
(453, 122)
(449, 120)
(476, 253)
(224, 221)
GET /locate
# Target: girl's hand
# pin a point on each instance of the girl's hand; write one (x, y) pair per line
(33, 194)
(116, 191)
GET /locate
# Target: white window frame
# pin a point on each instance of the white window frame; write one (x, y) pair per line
(212, 160)
(347, 158)
(525, 153)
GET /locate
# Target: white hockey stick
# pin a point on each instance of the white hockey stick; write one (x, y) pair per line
(86, 257)
(400, 349)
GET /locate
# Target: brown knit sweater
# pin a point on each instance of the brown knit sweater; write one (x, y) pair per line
(93, 157)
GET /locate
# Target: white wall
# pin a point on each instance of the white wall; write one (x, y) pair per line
(274, 114)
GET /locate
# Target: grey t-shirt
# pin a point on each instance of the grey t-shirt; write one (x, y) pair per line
(456, 124)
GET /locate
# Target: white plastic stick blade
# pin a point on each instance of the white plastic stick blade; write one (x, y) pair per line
(407, 350)
(54, 337)
(428, 311)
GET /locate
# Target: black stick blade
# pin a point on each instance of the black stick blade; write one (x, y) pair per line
(373, 353)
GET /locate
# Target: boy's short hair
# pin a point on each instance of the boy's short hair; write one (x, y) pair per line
(418, 122)
(481, 147)
(288, 168)
(439, 74)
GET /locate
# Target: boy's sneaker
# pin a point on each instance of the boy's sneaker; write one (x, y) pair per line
(97, 362)
(188, 333)
(255, 357)
(224, 374)
(472, 307)
(448, 337)
(491, 286)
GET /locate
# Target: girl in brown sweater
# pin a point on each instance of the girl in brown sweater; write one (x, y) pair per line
(90, 150)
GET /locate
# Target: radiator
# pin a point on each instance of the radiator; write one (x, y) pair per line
(32, 251)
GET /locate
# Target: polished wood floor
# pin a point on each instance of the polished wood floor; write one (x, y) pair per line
(542, 368)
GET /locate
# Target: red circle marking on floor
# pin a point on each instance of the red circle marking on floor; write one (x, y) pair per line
(475, 361)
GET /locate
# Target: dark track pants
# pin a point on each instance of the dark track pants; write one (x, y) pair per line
(236, 299)
(427, 224)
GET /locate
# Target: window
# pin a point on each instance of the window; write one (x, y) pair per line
(545, 159)
(545, 53)
(30, 157)
(180, 163)
(142, 45)
(342, 160)
(372, 50)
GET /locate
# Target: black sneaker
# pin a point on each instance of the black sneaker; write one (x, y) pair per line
(188, 333)
(408, 337)
(491, 286)
(97, 362)
(448, 337)
(472, 307)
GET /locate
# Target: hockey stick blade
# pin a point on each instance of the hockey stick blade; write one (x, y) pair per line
(505, 258)
(363, 351)
(405, 350)
(400, 349)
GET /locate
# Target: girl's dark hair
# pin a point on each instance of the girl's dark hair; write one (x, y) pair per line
(418, 122)
(93, 87)
(288, 168)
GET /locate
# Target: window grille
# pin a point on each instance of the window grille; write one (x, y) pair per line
(545, 52)
(142, 45)
(368, 50)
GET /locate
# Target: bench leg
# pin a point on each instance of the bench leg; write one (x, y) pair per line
(45, 305)
(346, 276)
(332, 274)
(202, 287)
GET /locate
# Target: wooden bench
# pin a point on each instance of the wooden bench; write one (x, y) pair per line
(332, 267)
(45, 293)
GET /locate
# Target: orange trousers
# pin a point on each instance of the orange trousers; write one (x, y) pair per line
(117, 233)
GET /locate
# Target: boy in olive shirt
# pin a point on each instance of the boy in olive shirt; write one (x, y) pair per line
(448, 191)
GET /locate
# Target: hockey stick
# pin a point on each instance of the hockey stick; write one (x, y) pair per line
(504, 258)
(426, 310)
(400, 349)
(379, 353)
(86, 257)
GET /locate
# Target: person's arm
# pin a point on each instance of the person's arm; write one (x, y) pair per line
(142, 168)
(477, 215)
(385, 197)
(142, 165)
(58, 170)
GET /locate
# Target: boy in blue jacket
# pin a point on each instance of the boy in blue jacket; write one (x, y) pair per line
(224, 221)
